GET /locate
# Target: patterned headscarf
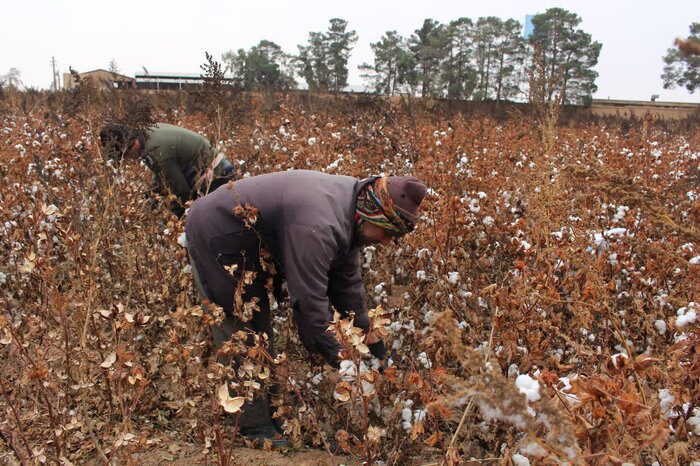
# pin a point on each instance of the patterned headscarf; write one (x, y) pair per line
(374, 204)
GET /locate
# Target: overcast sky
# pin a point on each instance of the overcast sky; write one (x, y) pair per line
(172, 35)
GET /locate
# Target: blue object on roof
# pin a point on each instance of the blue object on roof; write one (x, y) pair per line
(528, 29)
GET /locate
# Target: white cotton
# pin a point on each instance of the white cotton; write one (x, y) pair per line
(694, 421)
(615, 232)
(420, 275)
(532, 449)
(453, 277)
(520, 460)
(528, 387)
(182, 240)
(312, 141)
(620, 214)
(488, 221)
(419, 415)
(379, 288)
(348, 370)
(3, 278)
(666, 401)
(407, 414)
(686, 316)
(512, 370)
(694, 261)
(429, 318)
(660, 326)
(424, 360)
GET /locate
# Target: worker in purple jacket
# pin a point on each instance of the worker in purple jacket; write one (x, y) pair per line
(310, 226)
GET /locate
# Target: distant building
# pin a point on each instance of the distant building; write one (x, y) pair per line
(102, 79)
(640, 109)
(172, 81)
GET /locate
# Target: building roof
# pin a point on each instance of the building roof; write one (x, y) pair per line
(175, 76)
(645, 103)
(100, 70)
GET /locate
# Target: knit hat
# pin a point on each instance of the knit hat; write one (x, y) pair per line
(407, 192)
(391, 203)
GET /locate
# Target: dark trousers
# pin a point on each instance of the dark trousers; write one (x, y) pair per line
(240, 256)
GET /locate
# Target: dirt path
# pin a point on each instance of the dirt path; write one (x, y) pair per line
(190, 455)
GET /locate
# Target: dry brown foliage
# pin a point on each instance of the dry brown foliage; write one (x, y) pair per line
(572, 268)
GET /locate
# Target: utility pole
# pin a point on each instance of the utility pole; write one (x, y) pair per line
(55, 74)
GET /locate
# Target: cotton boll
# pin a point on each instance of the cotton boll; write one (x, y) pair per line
(453, 277)
(347, 371)
(419, 415)
(520, 460)
(407, 414)
(666, 401)
(528, 387)
(182, 240)
(686, 316)
(424, 360)
(694, 421)
(533, 449)
(512, 370)
(660, 326)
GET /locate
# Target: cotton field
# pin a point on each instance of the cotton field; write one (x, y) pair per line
(545, 311)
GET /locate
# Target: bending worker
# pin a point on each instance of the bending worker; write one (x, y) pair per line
(313, 225)
(181, 160)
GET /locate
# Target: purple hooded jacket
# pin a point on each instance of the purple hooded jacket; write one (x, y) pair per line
(307, 221)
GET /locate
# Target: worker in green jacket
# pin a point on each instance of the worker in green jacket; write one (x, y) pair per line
(182, 161)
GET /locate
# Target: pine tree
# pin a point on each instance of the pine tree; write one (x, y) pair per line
(393, 64)
(569, 55)
(683, 68)
(509, 56)
(323, 62)
(264, 66)
(429, 46)
(458, 75)
(312, 62)
(340, 43)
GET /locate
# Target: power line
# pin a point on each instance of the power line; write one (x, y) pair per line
(55, 74)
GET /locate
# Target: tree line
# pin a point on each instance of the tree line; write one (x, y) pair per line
(484, 59)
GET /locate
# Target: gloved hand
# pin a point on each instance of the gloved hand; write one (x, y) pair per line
(378, 349)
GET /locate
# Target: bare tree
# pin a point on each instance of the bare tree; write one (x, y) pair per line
(113, 67)
(12, 78)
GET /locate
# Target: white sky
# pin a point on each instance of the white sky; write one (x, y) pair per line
(172, 35)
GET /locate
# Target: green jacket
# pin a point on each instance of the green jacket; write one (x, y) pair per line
(177, 157)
